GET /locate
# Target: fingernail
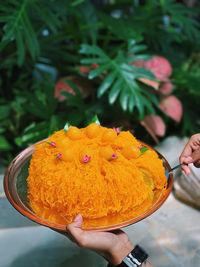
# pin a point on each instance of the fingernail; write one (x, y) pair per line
(188, 172)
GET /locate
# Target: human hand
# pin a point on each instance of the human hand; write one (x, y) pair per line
(113, 246)
(191, 153)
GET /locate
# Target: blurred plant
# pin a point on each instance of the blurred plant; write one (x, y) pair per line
(68, 60)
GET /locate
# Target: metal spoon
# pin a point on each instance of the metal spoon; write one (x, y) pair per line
(167, 172)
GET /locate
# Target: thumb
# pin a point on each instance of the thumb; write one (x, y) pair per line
(76, 224)
(78, 221)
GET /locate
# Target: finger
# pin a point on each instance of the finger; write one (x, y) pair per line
(75, 228)
(192, 144)
(196, 156)
(186, 154)
(197, 164)
(186, 169)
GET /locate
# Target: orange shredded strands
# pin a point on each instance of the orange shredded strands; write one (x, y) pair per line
(93, 171)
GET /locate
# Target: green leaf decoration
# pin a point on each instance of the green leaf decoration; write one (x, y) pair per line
(143, 149)
(95, 119)
(67, 126)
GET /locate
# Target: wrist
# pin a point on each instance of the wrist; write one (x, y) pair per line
(119, 251)
(136, 257)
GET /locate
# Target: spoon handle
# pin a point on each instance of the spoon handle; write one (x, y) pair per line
(177, 166)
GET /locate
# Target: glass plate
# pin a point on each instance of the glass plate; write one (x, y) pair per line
(15, 186)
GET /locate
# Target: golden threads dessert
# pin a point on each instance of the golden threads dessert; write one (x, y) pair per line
(96, 171)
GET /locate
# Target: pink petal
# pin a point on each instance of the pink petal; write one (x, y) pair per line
(153, 84)
(53, 144)
(154, 125)
(172, 107)
(86, 159)
(59, 155)
(114, 156)
(117, 130)
(166, 88)
(140, 147)
(160, 67)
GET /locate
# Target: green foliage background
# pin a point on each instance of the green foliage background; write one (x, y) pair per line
(43, 41)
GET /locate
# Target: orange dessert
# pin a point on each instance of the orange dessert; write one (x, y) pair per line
(96, 171)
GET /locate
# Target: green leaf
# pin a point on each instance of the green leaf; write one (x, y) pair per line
(142, 73)
(139, 57)
(114, 92)
(77, 2)
(95, 119)
(2, 130)
(96, 72)
(106, 83)
(143, 149)
(4, 111)
(73, 87)
(131, 103)
(20, 48)
(30, 36)
(93, 60)
(67, 126)
(140, 106)
(124, 100)
(91, 50)
(4, 144)
(137, 48)
(15, 24)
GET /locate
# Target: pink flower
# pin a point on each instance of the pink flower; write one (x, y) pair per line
(166, 88)
(53, 144)
(140, 147)
(160, 67)
(86, 159)
(117, 130)
(172, 106)
(114, 156)
(59, 155)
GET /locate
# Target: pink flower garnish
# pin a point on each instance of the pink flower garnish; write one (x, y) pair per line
(86, 159)
(140, 147)
(59, 155)
(114, 156)
(117, 130)
(53, 144)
